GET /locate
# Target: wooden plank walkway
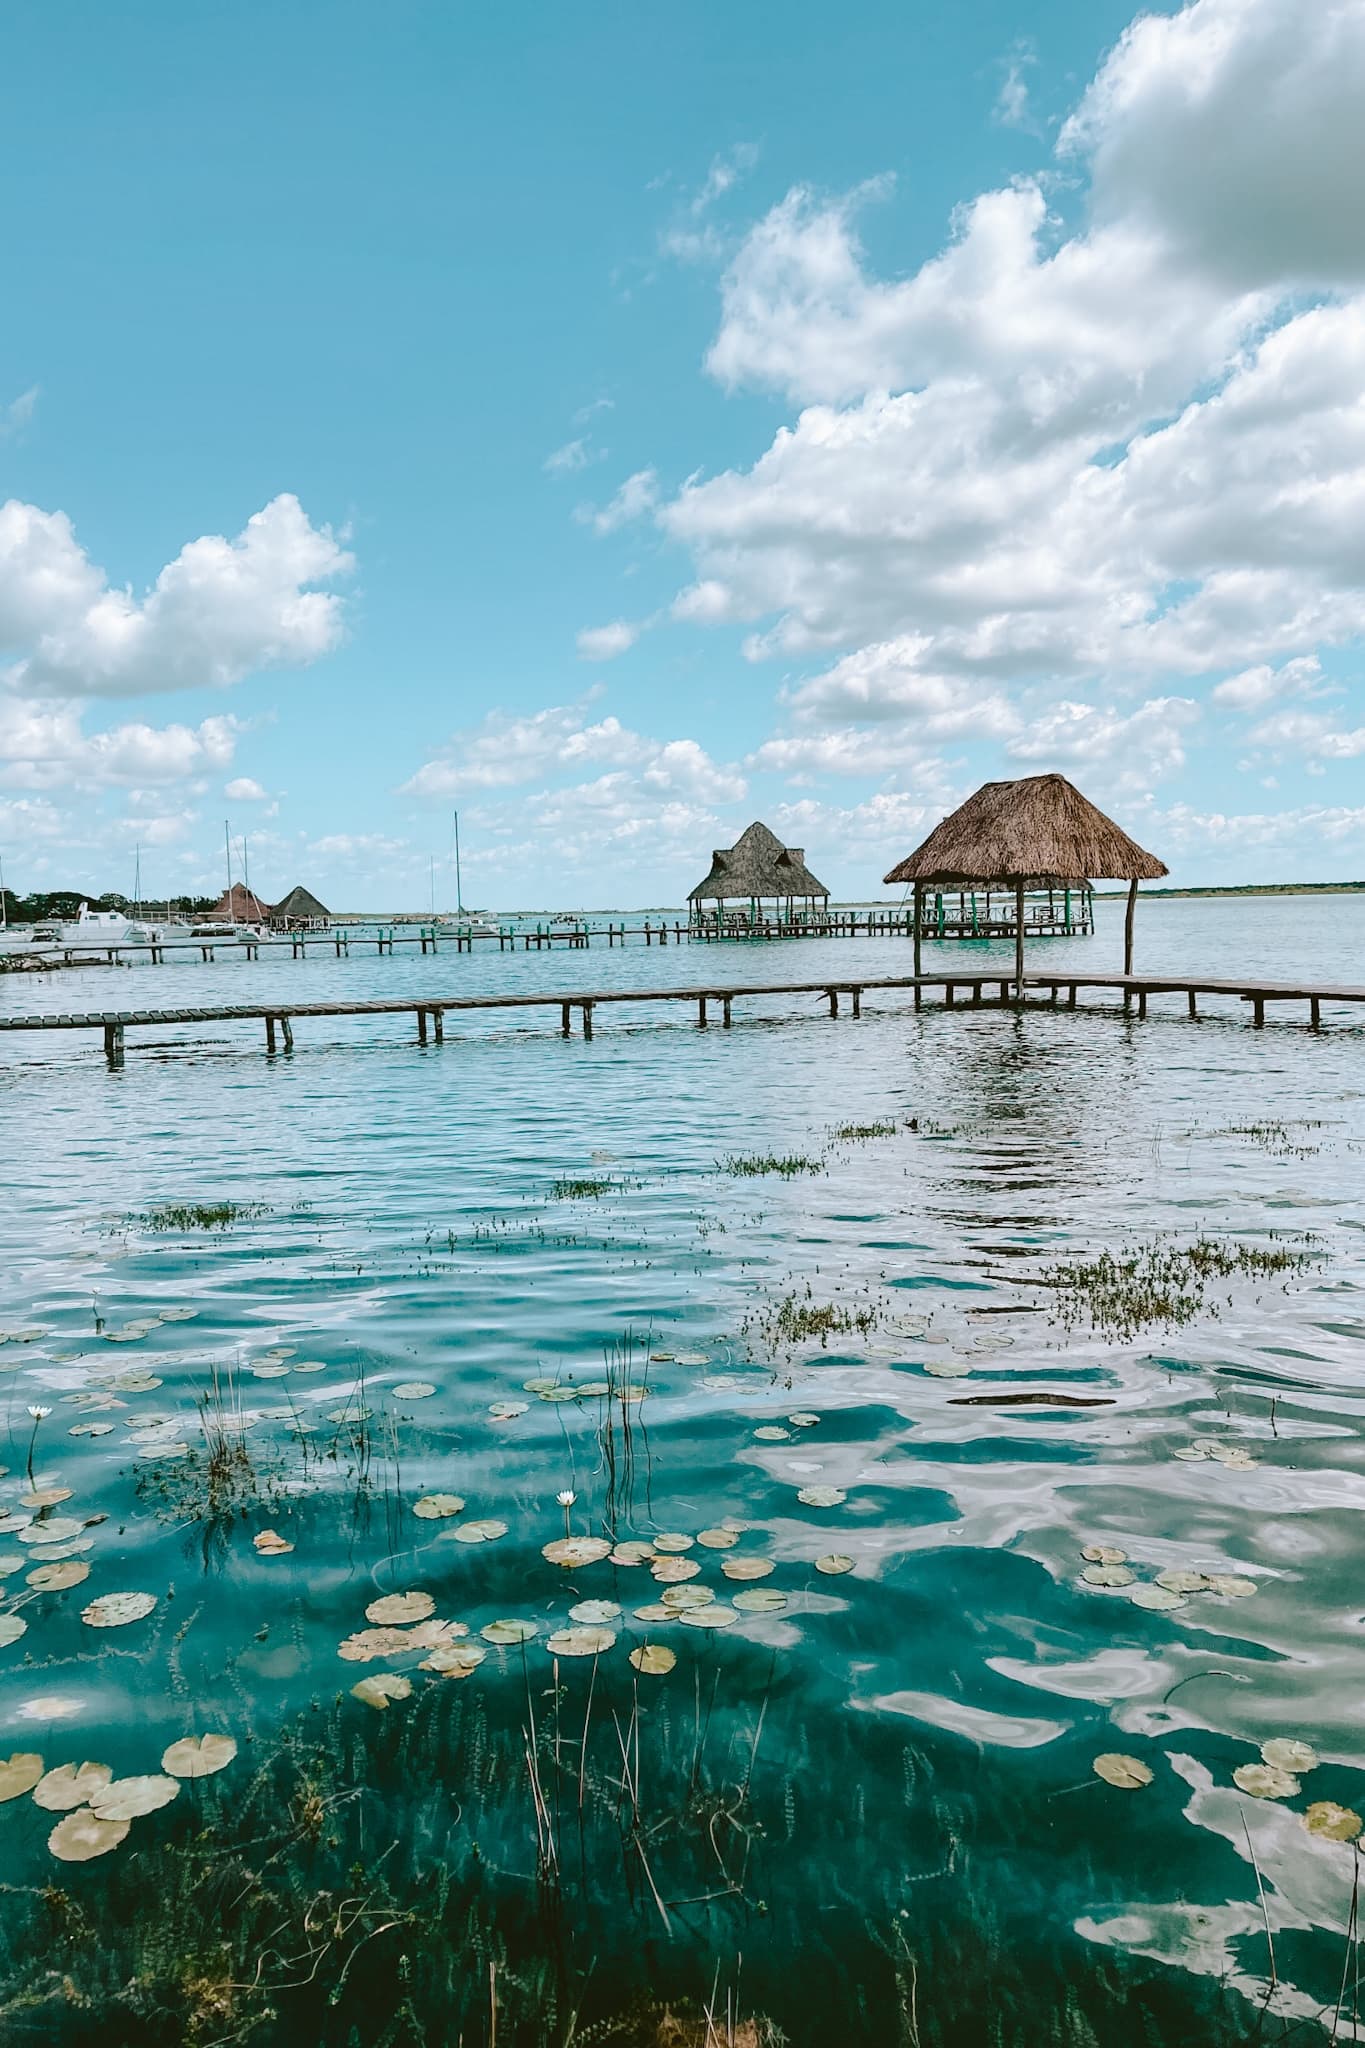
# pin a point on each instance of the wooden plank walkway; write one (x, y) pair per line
(430, 1012)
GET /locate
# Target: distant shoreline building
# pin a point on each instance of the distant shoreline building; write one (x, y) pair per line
(299, 909)
(239, 905)
(757, 869)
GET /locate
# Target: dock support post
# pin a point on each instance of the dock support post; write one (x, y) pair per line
(564, 1019)
(1004, 991)
(1258, 1011)
(288, 1031)
(421, 1027)
(438, 1026)
(701, 1013)
(976, 995)
(918, 913)
(1194, 1003)
(587, 1020)
(1071, 997)
(1314, 1013)
(270, 1036)
(833, 1002)
(725, 1011)
(113, 1044)
(1128, 935)
(1019, 941)
(949, 994)
(1142, 1002)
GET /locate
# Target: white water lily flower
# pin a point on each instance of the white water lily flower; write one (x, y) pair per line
(567, 1498)
(38, 1414)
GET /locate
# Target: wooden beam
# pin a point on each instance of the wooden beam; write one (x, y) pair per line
(1019, 941)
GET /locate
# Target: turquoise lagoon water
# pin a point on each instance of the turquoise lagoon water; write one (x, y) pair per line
(867, 1807)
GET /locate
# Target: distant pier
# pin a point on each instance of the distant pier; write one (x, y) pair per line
(430, 1013)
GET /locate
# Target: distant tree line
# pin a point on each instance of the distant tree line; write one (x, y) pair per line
(45, 904)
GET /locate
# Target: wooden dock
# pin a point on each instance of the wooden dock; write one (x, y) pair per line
(431, 1012)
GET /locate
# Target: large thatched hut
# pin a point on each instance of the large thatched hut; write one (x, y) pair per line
(757, 869)
(239, 905)
(1039, 831)
(299, 909)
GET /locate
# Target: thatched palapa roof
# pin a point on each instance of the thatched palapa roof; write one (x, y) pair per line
(241, 904)
(300, 906)
(1039, 829)
(757, 865)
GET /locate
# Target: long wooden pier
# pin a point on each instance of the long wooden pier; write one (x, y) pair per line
(430, 1012)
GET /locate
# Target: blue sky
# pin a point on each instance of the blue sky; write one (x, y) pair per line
(625, 421)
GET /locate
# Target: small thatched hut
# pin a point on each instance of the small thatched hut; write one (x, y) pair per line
(1039, 830)
(240, 905)
(756, 869)
(299, 908)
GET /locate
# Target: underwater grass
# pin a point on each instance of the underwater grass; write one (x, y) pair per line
(752, 1165)
(1160, 1285)
(202, 1215)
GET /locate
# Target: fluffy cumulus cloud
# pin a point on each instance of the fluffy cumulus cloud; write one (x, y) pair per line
(503, 752)
(43, 746)
(604, 643)
(1089, 484)
(222, 609)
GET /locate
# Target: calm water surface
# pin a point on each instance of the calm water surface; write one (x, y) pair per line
(870, 1808)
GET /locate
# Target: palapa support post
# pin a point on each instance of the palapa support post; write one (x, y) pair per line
(1128, 935)
(113, 1044)
(919, 917)
(1019, 941)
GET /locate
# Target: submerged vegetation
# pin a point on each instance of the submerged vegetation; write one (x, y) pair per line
(202, 1215)
(751, 1165)
(1163, 1285)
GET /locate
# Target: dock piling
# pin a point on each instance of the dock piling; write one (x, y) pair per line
(113, 1044)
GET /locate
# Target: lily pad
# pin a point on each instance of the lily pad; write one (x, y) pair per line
(771, 1433)
(653, 1659)
(834, 1565)
(947, 1368)
(12, 1626)
(630, 1553)
(414, 1390)
(717, 1616)
(1157, 1599)
(822, 1496)
(596, 1613)
(19, 1774)
(130, 1798)
(199, 1756)
(45, 1497)
(1108, 1575)
(654, 1611)
(116, 1610)
(397, 1608)
(673, 1543)
(1328, 1821)
(91, 1429)
(1287, 1753)
(580, 1642)
(479, 1532)
(1230, 1586)
(508, 1411)
(437, 1507)
(454, 1660)
(717, 1539)
(70, 1785)
(1183, 1582)
(270, 1543)
(82, 1836)
(381, 1687)
(804, 1418)
(570, 1551)
(671, 1571)
(56, 1529)
(508, 1632)
(1266, 1781)
(56, 1578)
(746, 1567)
(759, 1600)
(675, 1598)
(1104, 1553)
(1127, 1772)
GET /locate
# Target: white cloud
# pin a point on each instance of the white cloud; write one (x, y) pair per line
(572, 456)
(1256, 687)
(43, 747)
(694, 237)
(244, 789)
(219, 611)
(1012, 108)
(1129, 749)
(1309, 733)
(885, 682)
(604, 643)
(638, 494)
(15, 416)
(504, 750)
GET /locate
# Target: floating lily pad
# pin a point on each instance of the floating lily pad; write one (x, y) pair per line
(45, 1497)
(822, 1496)
(674, 1542)
(1230, 1586)
(135, 1383)
(653, 1659)
(368, 1643)
(56, 1553)
(675, 1598)
(199, 1756)
(397, 1608)
(11, 1564)
(349, 1416)
(19, 1774)
(947, 1368)
(717, 1616)
(414, 1390)
(508, 1411)
(116, 1610)
(580, 1642)
(1108, 1575)
(654, 1611)
(272, 1369)
(570, 1551)
(57, 1529)
(507, 1633)
(479, 1532)
(631, 1553)
(130, 1798)
(1157, 1599)
(597, 1613)
(12, 1521)
(1287, 1753)
(436, 1507)
(834, 1565)
(56, 1578)
(310, 1365)
(804, 1418)
(759, 1600)
(91, 1429)
(671, 1571)
(770, 1433)
(177, 1315)
(12, 1626)
(1190, 1453)
(82, 1836)
(454, 1660)
(1325, 1819)
(1183, 1582)
(1104, 1553)
(746, 1567)
(381, 1687)
(717, 1539)
(70, 1785)
(1266, 1781)
(1127, 1772)
(270, 1543)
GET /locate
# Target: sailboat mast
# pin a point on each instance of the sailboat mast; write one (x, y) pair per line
(246, 874)
(227, 848)
(459, 892)
(4, 907)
